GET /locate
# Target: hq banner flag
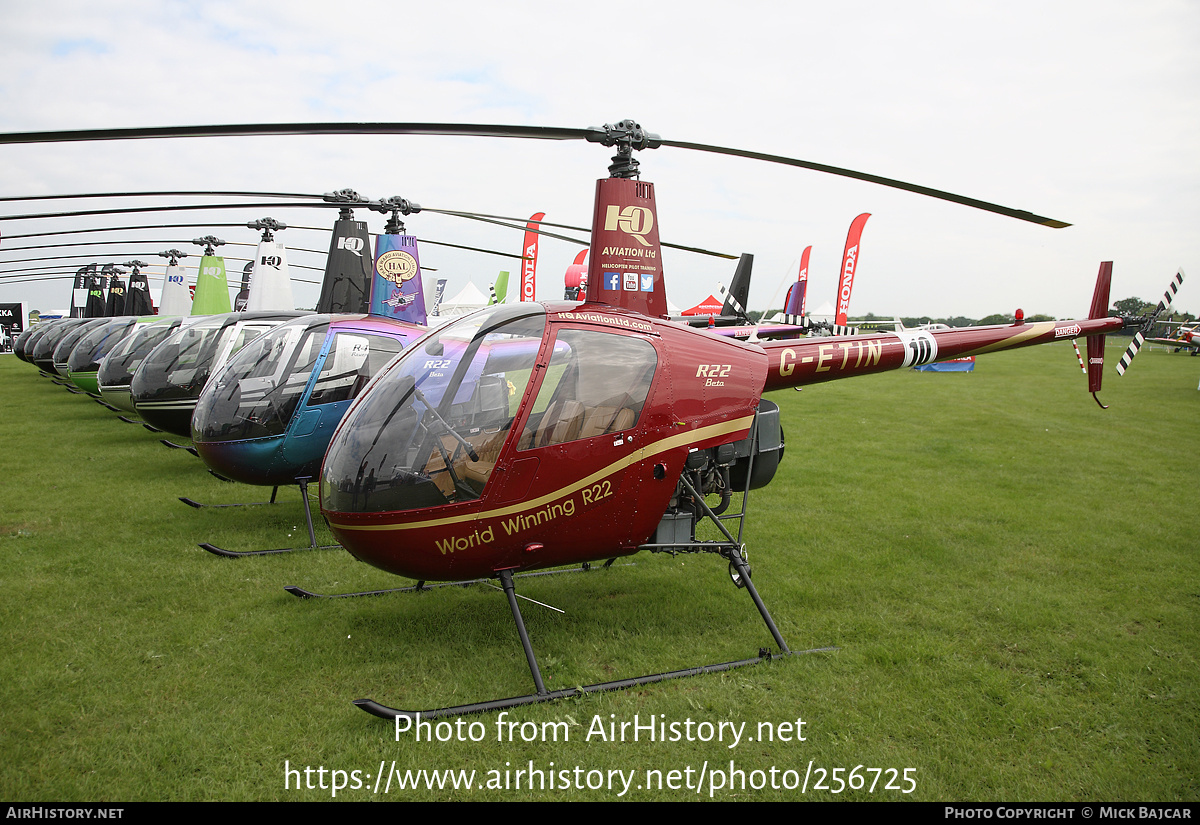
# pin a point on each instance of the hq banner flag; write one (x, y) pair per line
(137, 301)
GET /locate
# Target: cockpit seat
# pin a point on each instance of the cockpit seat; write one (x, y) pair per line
(600, 420)
(561, 422)
(477, 472)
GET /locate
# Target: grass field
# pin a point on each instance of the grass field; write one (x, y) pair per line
(1011, 576)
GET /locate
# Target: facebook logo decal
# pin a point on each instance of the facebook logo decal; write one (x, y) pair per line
(612, 280)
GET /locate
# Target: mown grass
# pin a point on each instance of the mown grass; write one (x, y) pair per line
(1010, 573)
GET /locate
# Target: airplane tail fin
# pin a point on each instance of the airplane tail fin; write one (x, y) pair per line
(738, 294)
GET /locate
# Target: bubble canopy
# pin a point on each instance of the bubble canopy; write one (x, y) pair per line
(257, 391)
(416, 437)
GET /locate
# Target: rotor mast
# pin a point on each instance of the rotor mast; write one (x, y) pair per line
(625, 260)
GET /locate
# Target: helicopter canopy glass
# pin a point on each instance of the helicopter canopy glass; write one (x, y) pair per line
(185, 360)
(44, 347)
(257, 392)
(93, 346)
(430, 429)
(118, 368)
(62, 350)
(354, 358)
(596, 384)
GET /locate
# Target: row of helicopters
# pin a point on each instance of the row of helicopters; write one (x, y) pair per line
(533, 436)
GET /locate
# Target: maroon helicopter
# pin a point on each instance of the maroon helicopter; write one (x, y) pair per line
(532, 436)
(539, 435)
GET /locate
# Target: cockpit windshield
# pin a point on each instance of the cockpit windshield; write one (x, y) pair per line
(431, 428)
(122, 362)
(256, 394)
(93, 346)
(183, 362)
(184, 359)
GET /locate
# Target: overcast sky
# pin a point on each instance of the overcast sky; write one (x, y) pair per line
(1086, 112)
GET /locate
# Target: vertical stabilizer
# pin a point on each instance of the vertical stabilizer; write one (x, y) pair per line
(1095, 344)
(738, 294)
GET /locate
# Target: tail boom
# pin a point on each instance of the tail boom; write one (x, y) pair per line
(797, 363)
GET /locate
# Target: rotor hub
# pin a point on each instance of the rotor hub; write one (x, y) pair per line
(627, 136)
(210, 243)
(268, 226)
(397, 206)
(172, 256)
(344, 196)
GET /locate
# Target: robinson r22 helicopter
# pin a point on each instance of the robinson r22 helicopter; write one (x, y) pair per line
(538, 435)
(611, 429)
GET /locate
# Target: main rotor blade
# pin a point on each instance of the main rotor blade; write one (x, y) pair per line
(520, 224)
(173, 208)
(203, 225)
(521, 221)
(139, 241)
(6, 273)
(261, 129)
(148, 226)
(1019, 214)
(160, 195)
(480, 130)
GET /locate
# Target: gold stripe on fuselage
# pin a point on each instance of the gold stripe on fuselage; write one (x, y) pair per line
(662, 445)
(1030, 331)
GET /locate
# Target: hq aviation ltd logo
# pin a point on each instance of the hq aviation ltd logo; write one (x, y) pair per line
(352, 245)
(632, 220)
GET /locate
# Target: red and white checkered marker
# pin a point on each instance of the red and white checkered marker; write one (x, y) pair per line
(1079, 355)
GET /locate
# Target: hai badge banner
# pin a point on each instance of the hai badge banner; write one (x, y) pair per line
(396, 287)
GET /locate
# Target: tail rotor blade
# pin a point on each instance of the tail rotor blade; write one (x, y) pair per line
(1127, 358)
(1138, 338)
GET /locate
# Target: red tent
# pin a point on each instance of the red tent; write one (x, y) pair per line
(709, 306)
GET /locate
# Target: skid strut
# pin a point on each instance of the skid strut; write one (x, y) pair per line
(543, 695)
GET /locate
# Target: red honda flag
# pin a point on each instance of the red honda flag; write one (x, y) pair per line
(849, 266)
(530, 251)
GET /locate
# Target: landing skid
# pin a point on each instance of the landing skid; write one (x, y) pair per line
(312, 536)
(384, 712)
(237, 554)
(191, 502)
(542, 695)
(420, 587)
(175, 446)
